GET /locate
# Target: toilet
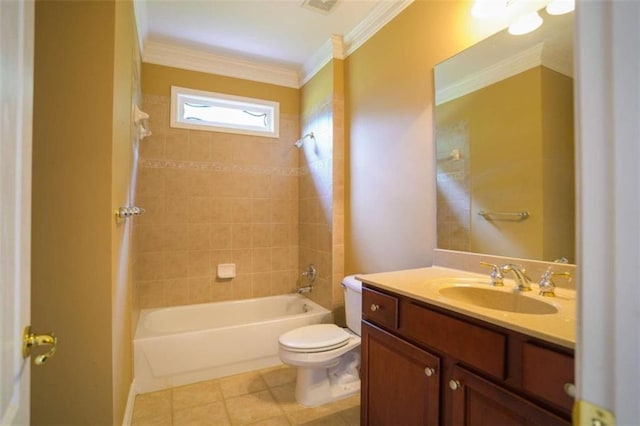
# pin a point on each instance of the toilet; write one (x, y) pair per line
(327, 356)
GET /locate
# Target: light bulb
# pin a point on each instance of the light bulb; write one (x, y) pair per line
(483, 9)
(560, 7)
(525, 24)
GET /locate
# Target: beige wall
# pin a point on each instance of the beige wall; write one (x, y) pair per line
(390, 214)
(213, 197)
(81, 165)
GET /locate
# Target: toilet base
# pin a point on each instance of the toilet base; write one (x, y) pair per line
(317, 386)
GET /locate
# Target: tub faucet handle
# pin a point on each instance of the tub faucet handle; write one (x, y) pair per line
(311, 272)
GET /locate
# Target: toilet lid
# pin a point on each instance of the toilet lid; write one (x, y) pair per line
(315, 338)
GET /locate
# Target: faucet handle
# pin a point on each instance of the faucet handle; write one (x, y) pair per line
(546, 284)
(495, 274)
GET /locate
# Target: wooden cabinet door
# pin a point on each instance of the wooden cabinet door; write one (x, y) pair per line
(400, 382)
(480, 402)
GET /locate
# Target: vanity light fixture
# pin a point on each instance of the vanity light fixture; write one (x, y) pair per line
(560, 7)
(483, 9)
(525, 24)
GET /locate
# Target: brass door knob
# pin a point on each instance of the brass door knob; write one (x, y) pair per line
(29, 340)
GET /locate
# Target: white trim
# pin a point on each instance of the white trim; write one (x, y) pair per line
(380, 16)
(316, 62)
(171, 55)
(539, 54)
(181, 95)
(142, 22)
(197, 60)
(131, 399)
(506, 68)
(608, 94)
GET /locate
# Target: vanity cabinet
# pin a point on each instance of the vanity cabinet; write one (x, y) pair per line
(425, 365)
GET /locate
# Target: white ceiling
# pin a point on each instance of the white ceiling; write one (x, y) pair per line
(278, 33)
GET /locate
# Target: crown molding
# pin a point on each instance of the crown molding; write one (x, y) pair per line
(539, 54)
(379, 16)
(338, 47)
(142, 22)
(501, 70)
(198, 60)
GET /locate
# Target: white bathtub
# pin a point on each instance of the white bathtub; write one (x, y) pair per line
(187, 344)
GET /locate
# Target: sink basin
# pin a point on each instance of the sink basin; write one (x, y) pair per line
(498, 300)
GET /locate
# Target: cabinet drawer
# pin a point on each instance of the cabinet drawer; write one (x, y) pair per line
(545, 373)
(473, 345)
(380, 308)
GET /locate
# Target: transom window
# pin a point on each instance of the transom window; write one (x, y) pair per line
(218, 112)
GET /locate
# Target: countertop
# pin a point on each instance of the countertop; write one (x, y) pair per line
(423, 284)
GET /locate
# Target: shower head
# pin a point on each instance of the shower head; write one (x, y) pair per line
(300, 141)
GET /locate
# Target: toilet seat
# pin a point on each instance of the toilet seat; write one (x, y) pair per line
(314, 338)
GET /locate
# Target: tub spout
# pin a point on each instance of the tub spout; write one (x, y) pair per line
(306, 289)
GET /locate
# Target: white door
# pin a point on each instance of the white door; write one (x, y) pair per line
(16, 95)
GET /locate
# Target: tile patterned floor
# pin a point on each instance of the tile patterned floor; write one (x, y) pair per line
(263, 397)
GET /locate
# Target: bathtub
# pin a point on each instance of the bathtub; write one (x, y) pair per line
(187, 344)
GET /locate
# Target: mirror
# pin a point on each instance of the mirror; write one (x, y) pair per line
(505, 145)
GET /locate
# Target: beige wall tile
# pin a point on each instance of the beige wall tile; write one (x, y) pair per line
(261, 234)
(200, 236)
(199, 146)
(241, 236)
(199, 290)
(261, 284)
(242, 287)
(199, 263)
(261, 259)
(177, 291)
(215, 198)
(220, 236)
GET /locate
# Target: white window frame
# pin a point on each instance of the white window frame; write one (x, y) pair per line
(182, 95)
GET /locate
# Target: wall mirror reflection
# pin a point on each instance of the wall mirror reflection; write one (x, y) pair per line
(505, 145)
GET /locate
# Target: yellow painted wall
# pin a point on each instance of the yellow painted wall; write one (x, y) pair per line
(390, 219)
(558, 166)
(158, 80)
(126, 88)
(82, 104)
(506, 165)
(520, 136)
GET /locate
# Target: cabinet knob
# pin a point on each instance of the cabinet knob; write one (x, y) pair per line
(454, 384)
(570, 389)
(374, 307)
(429, 371)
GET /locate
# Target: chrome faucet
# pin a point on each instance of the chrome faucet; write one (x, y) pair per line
(495, 274)
(547, 286)
(310, 274)
(523, 282)
(305, 289)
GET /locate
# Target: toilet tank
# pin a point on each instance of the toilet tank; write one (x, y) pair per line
(353, 302)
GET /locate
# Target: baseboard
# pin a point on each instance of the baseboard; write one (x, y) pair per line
(128, 411)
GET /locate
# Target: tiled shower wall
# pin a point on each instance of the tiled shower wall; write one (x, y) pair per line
(322, 202)
(214, 198)
(316, 209)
